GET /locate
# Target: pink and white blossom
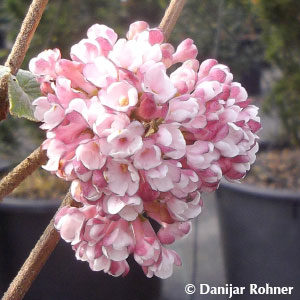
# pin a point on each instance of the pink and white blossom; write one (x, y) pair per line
(164, 267)
(148, 157)
(139, 142)
(169, 233)
(171, 140)
(157, 82)
(126, 207)
(125, 142)
(184, 209)
(122, 178)
(119, 96)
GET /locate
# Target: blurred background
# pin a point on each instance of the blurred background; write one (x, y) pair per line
(260, 41)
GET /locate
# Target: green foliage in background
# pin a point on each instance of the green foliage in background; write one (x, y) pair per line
(280, 21)
(229, 31)
(224, 29)
(285, 98)
(41, 185)
(64, 23)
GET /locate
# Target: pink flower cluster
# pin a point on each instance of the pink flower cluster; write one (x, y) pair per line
(139, 142)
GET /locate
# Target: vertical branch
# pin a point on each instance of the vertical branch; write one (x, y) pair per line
(3, 97)
(170, 18)
(218, 30)
(36, 260)
(25, 35)
(20, 48)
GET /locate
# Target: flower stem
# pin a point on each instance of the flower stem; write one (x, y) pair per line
(36, 259)
(20, 48)
(170, 18)
(21, 171)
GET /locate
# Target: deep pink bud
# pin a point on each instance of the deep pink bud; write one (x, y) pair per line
(147, 107)
(185, 50)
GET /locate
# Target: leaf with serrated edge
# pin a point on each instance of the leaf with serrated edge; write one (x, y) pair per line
(22, 90)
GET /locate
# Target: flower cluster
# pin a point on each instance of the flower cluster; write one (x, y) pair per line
(139, 142)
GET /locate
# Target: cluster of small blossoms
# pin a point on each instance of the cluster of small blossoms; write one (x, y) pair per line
(139, 142)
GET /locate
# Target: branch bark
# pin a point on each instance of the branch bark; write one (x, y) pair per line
(21, 171)
(171, 16)
(37, 258)
(20, 48)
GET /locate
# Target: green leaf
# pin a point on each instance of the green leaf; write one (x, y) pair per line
(22, 90)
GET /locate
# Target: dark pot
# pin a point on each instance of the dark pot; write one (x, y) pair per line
(63, 277)
(261, 237)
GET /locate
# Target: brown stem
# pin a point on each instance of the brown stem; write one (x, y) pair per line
(170, 18)
(21, 171)
(20, 48)
(3, 97)
(36, 259)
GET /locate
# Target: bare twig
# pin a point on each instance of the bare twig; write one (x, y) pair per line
(21, 171)
(20, 48)
(50, 237)
(170, 18)
(3, 97)
(218, 29)
(36, 260)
